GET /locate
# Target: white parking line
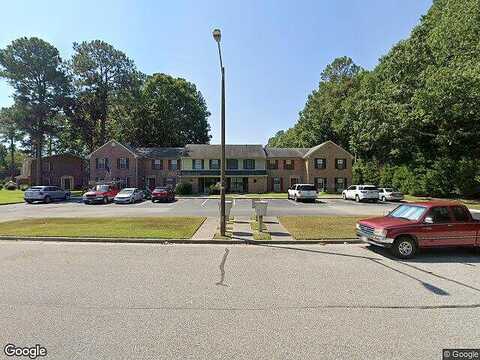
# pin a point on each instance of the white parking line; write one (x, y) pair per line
(203, 203)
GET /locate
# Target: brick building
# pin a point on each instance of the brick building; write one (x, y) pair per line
(249, 168)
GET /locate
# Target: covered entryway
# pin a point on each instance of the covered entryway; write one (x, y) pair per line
(67, 182)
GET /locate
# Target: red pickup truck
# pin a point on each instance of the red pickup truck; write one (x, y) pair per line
(413, 226)
(101, 193)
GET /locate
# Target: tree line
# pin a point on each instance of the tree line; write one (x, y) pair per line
(75, 105)
(414, 120)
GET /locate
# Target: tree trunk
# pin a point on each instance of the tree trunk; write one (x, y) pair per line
(12, 158)
(38, 167)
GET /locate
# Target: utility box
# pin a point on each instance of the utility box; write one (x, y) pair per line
(228, 207)
(261, 208)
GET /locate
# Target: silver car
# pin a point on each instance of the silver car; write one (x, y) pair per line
(389, 194)
(129, 196)
(45, 194)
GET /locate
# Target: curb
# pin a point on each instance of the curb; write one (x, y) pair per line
(177, 241)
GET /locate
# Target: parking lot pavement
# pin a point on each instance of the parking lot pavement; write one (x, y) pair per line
(189, 207)
(91, 301)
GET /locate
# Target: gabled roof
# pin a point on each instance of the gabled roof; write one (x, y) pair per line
(328, 142)
(205, 151)
(275, 152)
(127, 147)
(159, 152)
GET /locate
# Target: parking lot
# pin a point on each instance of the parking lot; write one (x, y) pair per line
(189, 207)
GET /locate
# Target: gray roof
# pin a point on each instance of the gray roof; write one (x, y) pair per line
(204, 151)
(159, 152)
(274, 152)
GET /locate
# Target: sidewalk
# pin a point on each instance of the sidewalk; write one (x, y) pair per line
(241, 229)
(207, 230)
(277, 231)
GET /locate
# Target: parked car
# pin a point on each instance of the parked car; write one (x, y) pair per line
(361, 193)
(101, 193)
(414, 226)
(129, 196)
(163, 194)
(302, 192)
(389, 194)
(45, 194)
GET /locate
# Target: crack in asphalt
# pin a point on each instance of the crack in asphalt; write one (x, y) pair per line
(222, 269)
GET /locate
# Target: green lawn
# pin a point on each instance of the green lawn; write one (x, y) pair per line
(320, 227)
(471, 203)
(146, 227)
(11, 196)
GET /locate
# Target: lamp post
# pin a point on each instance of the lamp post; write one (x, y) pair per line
(217, 35)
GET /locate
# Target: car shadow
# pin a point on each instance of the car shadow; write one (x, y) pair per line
(466, 256)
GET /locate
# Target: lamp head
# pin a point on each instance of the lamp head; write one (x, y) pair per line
(217, 35)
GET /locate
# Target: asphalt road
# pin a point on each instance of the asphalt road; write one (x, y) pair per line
(189, 207)
(107, 301)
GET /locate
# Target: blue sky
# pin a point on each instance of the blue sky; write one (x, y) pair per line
(273, 51)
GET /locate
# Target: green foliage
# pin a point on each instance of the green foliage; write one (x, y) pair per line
(167, 111)
(366, 172)
(184, 188)
(420, 104)
(10, 185)
(214, 189)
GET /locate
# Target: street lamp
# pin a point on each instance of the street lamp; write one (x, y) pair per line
(217, 35)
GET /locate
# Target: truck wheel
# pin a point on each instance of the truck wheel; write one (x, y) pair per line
(383, 199)
(29, 201)
(357, 199)
(404, 247)
(344, 197)
(47, 200)
(105, 200)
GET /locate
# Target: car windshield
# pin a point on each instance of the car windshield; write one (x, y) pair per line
(161, 189)
(388, 190)
(307, 188)
(369, 188)
(101, 188)
(35, 188)
(409, 212)
(127, 191)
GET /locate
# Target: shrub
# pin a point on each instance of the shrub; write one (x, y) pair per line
(440, 178)
(386, 175)
(214, 189)
(184, 188)
(10, 186)
(467, 178)
(408, 181)
(24, 187)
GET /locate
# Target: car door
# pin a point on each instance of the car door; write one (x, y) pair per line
(438, 233)
(351, 192)
(464, 229)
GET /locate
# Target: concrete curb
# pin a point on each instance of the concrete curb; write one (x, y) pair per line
(176, 241)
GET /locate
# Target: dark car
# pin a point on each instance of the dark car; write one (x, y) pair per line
(163, 194)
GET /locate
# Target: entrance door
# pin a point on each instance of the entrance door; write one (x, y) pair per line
(276, 184)
(67, 183)
(151, 183)
(236, 185)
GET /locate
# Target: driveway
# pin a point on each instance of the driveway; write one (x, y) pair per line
(189, 207)
(104, 301)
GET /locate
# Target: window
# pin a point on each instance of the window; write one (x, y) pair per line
(214, 164)
(249, 164)
(460, 214)
(440, 214)
(197, 164)
(157, 164)
(232, 164)
(306, 188)
(320, 163)
(340, 164)
(173, 164)
(353, 187)
(122, 163)
(236, 185)
(101, 163)
(288, 164)
(272, 164)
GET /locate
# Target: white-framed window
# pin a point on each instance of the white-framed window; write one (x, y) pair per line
(101, 163)
(288, 164)
(174, 164)
(249, 164)
(123, 163)
(197, 164)
(157, 164)
(214, 164)
(320, 163)
(340, 164)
